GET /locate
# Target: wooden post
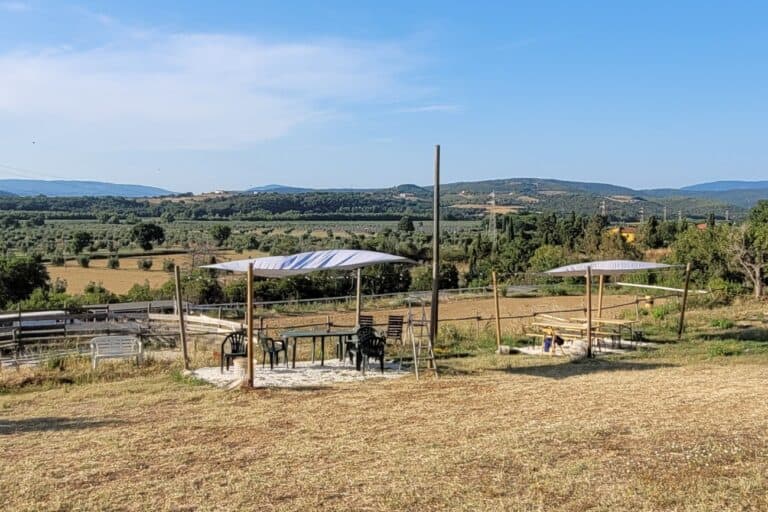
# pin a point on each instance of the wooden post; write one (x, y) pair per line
(358, 297)
(600, 296)
(498, 316)
(435, 306)
(685, 302)
(637, 307)
(477, 323)
(589, 312)
(180, 309)
(249, 330)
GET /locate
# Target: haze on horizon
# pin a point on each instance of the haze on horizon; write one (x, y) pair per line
(197, 97)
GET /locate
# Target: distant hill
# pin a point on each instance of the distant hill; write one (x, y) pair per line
(723, 186)
(74, 188)
(280, 189)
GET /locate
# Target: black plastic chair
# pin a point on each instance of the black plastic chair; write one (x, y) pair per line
(272, 347)
(367, 345)
(237, 348)
(395, 328)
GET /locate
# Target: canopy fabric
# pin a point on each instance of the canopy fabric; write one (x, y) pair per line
(306, 262)
(606, 268)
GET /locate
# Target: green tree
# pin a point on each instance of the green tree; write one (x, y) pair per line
(748, 246)
(20, 276)
(547, 257)
(147, 234)
(405, 224)
(220, 233)
(80, 240)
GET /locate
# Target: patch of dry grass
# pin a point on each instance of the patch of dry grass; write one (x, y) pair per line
(635, 438)
(674, 429)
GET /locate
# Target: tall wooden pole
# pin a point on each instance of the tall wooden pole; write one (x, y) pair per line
(498, 315)
(589, 312)
(685, 302)
(249, 329)
(434, 313)
(358, 297)
(180, 311)
(600, 296)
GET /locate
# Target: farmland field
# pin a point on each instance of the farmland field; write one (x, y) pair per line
(122, 279)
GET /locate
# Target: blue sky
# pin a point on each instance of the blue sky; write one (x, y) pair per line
(196, 96)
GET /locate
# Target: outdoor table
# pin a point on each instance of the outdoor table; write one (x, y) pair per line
(314, 335)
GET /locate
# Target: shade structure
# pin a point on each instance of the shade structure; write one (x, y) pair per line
(306, 262)
(303, 263)
(606, 268)
(601, 269)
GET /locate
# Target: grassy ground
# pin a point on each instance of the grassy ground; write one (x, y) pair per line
(682, 427)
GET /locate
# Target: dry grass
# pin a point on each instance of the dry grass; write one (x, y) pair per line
(672, 429)
(122, 279)
(627, 435)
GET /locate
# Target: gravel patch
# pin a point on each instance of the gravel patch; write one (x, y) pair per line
(306, 374)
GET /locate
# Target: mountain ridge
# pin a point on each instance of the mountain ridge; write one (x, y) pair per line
(77, 188)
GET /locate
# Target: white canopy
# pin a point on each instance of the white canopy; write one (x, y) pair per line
(606, 268)
(306, 262)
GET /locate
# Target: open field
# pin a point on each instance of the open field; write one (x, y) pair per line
(681, 427)
(463, 308)
(122, 279)
(518, 433)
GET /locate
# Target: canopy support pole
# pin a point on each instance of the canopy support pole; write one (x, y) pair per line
(685, 302)
(358, 297)
(434, 312)
(589, 311)
(249, 329)
(600, 296)
(498, 315)
(180, 311)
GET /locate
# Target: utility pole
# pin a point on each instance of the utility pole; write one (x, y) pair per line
(679, 215)
(602, 208)
(642, 215)
(665, 213)
(434, 314)
(727, 215)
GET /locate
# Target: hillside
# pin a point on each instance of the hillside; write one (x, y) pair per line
(75, 188)
(723, 186)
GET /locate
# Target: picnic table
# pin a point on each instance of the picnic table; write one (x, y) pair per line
(619, 323)
(297, 335)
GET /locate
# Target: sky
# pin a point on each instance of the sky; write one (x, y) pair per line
(199, 96)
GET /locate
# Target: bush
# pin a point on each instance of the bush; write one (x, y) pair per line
(660, 312)
(59, 285)
(144, 263)
(83, 261)
(113, 262)
(722, 323)
(725, 349)
(168, 265)
(57, 260)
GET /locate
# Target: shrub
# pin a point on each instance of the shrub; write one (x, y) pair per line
(722, 323)
(59, 285)
(57, 260)
(660, 312)
(113, 262)
(725, 349)
(168, 265)
(83, 261)
(144, 263)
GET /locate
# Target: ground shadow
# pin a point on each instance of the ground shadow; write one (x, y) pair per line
(50, 424)
(740, 334)
(584, 367)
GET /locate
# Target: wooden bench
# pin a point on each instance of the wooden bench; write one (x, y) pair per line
(115, 347)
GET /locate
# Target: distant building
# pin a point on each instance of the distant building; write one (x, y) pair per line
(629, 233)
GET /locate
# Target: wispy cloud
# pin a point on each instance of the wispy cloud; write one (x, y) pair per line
(431, 108)
(175, 91)
(14, 6)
